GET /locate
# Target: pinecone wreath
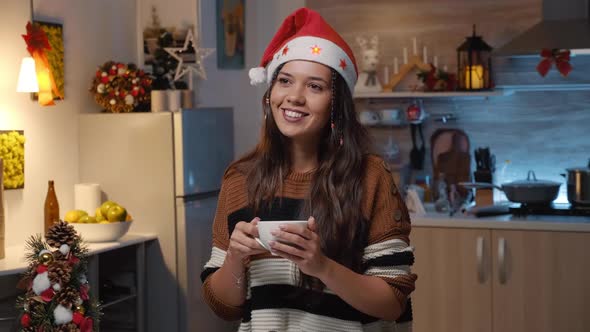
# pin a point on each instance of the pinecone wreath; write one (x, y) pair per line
(59, 272)
(61, 233)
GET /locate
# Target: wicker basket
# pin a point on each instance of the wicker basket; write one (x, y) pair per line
(2, 253)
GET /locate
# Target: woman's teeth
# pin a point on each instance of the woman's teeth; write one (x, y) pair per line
(293, 114)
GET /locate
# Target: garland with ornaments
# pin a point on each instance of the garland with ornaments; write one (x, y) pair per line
(57, 296)
(121, 88)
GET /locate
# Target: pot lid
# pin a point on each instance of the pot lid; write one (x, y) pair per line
(531, 181)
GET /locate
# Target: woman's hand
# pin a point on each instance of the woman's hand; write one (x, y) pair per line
(306, 252)
(242, 243)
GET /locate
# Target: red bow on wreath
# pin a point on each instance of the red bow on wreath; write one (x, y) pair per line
(561, 59)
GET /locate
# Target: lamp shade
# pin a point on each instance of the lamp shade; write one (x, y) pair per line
(27, 77)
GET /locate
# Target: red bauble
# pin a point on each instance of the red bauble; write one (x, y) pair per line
(87, 325)
(77, 318)
(25, 320)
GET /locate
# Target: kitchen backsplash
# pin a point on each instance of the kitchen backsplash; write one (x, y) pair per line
(543, 131)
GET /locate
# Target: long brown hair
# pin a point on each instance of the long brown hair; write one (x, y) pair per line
(336, 189)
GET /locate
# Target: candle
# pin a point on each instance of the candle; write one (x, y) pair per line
(405, 55)
(386, 75)
(425, 55)
(415, 46)
(474, 77)
(435, 61)
(395, 66)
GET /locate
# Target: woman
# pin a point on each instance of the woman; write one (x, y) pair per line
(349, 270)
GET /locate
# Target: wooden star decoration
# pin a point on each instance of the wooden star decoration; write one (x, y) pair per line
(200, 54)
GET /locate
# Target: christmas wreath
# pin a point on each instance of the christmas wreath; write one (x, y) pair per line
(121, 88)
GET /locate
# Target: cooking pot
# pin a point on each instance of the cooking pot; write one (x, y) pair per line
(578, 185)
(529, 191)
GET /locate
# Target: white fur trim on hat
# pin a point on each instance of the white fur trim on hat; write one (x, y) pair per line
(257, 75)
(328, 53)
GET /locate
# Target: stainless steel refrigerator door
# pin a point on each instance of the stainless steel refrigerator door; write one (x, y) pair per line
(204, 147)
(194, 227)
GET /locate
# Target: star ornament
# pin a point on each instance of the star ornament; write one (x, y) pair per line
(342, 64)
(315, 49)
(179, 53)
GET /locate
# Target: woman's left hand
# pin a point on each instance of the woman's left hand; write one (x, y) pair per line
(307, 253)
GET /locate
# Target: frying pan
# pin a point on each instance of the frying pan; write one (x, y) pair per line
(529, 191)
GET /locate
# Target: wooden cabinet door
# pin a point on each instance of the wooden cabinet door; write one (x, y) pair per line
(453, 290)
(541, 281)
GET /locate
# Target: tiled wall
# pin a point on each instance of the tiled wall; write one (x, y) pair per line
(543, 131)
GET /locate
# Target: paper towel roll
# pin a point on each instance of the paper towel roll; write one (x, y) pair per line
(87, 197)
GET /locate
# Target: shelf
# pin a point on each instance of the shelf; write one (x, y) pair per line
(15, 263)
(420, 94)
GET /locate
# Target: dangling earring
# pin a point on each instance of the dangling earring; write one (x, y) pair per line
(267, 101)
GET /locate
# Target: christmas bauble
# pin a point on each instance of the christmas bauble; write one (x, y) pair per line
(80, 309)
(46, 258)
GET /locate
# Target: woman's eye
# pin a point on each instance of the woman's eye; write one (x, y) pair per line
(316, 87)
(283, 80)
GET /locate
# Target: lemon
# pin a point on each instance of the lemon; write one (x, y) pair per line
(104, 208)
(98, 213)
(74, 215)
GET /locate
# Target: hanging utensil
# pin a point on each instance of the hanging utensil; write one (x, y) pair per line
(415, 115)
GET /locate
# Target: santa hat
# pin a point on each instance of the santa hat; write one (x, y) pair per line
(304, 35)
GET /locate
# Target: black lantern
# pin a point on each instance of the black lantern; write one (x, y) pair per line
(474, 64)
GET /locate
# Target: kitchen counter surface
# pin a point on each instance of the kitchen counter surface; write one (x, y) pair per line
(15, 263)
(508, 221)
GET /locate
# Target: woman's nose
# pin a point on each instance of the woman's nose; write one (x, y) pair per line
(296, 97)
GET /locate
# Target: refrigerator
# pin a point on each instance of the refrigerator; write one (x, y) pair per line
(166, 169)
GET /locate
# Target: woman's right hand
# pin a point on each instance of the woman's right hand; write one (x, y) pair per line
(242, 243)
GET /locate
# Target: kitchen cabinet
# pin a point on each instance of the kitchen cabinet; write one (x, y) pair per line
(500, 280)
(116, 274)
(453, 290)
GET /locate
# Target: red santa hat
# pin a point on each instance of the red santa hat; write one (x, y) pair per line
(304, 35)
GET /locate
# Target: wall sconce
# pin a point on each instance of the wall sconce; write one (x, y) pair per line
(27, 77)
(474, 64)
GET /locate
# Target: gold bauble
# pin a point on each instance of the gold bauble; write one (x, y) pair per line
(80, 309)
(46, 258)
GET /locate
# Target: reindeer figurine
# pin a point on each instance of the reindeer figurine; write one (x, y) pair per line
(368, 80)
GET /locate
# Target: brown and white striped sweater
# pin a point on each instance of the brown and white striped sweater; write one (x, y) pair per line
(274, 300)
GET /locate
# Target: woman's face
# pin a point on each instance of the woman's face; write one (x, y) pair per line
(300, 100)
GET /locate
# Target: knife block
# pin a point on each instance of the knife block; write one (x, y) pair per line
(484, 197)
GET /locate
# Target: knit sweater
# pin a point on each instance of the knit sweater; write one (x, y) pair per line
(274, 300)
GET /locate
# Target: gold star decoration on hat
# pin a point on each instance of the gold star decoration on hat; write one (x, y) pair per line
(181, 53)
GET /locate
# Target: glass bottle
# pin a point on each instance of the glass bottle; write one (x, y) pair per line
(51, 207)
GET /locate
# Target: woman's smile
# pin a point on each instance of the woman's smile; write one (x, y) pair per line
(293, 115)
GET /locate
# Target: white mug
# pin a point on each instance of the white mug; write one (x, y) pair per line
(266, 227)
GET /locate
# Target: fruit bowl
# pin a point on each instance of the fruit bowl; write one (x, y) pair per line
(102, 232)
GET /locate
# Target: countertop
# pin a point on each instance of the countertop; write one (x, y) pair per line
(508, 222)
(14, 261)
